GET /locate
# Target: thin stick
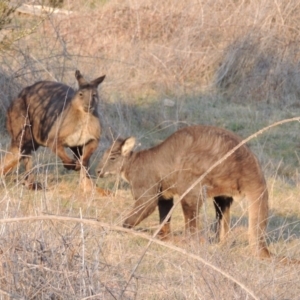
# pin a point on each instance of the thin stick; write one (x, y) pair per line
(83, 248)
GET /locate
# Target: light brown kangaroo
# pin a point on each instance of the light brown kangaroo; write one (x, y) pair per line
(171, 167)
(53, 115)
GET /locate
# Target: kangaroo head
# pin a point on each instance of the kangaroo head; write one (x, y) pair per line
(113, 158)
(86, 97)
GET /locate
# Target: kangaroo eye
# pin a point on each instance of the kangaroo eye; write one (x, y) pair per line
(80, 94)
(112, 158)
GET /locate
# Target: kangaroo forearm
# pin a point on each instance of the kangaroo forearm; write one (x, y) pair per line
(87, 151)
(68, 162)
(139, 213)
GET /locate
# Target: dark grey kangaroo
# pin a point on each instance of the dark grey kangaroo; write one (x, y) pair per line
(53, 115)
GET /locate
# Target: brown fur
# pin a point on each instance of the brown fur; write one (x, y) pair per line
(53, 115)
(174, 165)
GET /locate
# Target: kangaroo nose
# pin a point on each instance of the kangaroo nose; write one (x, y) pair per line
(99, 172)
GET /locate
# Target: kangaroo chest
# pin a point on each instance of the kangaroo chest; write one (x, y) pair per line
(84, 130)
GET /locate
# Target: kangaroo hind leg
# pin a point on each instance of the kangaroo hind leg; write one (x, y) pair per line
(164, 206)
(222, 206)
(258, 217)
(191, 204)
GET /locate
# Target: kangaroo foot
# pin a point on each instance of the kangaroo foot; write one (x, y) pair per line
(103, 192)
(35, 186)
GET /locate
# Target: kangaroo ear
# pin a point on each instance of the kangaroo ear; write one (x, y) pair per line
(97, 81)
(127, 146)
(81, 81)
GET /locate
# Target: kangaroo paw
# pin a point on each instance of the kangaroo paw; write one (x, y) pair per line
(103, 192)
(35, 186)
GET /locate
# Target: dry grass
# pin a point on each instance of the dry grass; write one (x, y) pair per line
(61, 243)
(63, 258)
(233, 64)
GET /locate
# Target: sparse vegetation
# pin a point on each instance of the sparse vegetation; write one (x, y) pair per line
(233, 64)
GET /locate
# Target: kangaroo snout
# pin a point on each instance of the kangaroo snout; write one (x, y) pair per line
(126, 225)
(89, 109)
(100, 173)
